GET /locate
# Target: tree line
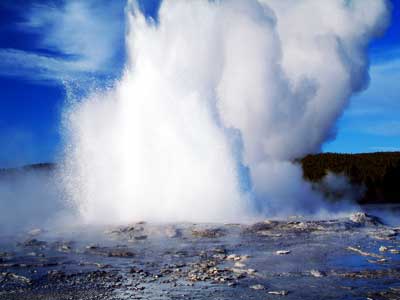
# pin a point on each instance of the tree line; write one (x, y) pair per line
(378, 173)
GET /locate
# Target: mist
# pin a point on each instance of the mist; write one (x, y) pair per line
(30, 198)
(217, 100)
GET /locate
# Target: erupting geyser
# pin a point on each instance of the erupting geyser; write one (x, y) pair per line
(217, 99)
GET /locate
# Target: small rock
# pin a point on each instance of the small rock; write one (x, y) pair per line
(238, 264)
(317, 273)
(268, 233)
(385, 235)
(232, 283)
(120, 253)
(33, 243)
(208, 233)
(363, 253)
(65, 248)
(16, 277)
(239, 271)
(4, 254)
(140, 237)
(377, 261)
(279, 293)
(257, 287)
(236, 257)
(383, 249)
(219, 250)
(233, 257)
(251, 271)
(92, 247)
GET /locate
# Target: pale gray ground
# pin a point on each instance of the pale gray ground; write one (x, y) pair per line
(350, 258)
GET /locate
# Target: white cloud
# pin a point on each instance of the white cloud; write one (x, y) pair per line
(83, 37)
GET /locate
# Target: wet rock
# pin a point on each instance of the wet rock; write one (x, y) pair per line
(279, 293)
(219, 250)
(274, 228)
(385, 235)
(33, 253)
(120, 253)
(262, 226)
(129, 232)
(243, 272)
(282, 252)
(9, 265)
(257, 287)
(364, 253)
(33, 243)
(92, 247)
(56, 274)
(16, 277)
(384, 295)
(232, 284)
(251, 271)
(208, 233)
(372, 274)
(239, 264)
(383, 249)
(110, 252)
(362, 218)
(236, 257)
(139, 271)
(96, 264)
(269, 234)
(317, 273)
(4, 254)
(378, 261)
(63, 246)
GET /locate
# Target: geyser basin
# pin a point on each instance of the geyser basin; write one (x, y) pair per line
(350, 258)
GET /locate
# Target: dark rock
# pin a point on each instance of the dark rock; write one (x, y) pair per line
(208, 233)
(33, 243)
(120, 253)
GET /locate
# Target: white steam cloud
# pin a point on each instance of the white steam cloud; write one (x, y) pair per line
(217, 99)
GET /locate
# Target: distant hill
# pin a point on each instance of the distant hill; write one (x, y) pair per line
(378, 173)
(27, 168)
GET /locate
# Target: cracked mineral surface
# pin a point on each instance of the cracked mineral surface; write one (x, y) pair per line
(351, 258)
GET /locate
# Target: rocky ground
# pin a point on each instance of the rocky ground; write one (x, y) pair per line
(351, 258)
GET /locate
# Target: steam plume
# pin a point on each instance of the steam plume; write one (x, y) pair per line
(217, 99)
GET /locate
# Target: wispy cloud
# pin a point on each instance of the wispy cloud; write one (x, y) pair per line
(78, 37)
(18, 63)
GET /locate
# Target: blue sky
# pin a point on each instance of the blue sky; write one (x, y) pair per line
(372, 120)
(48, 45)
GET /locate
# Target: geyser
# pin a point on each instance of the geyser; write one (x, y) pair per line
(216, 101)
